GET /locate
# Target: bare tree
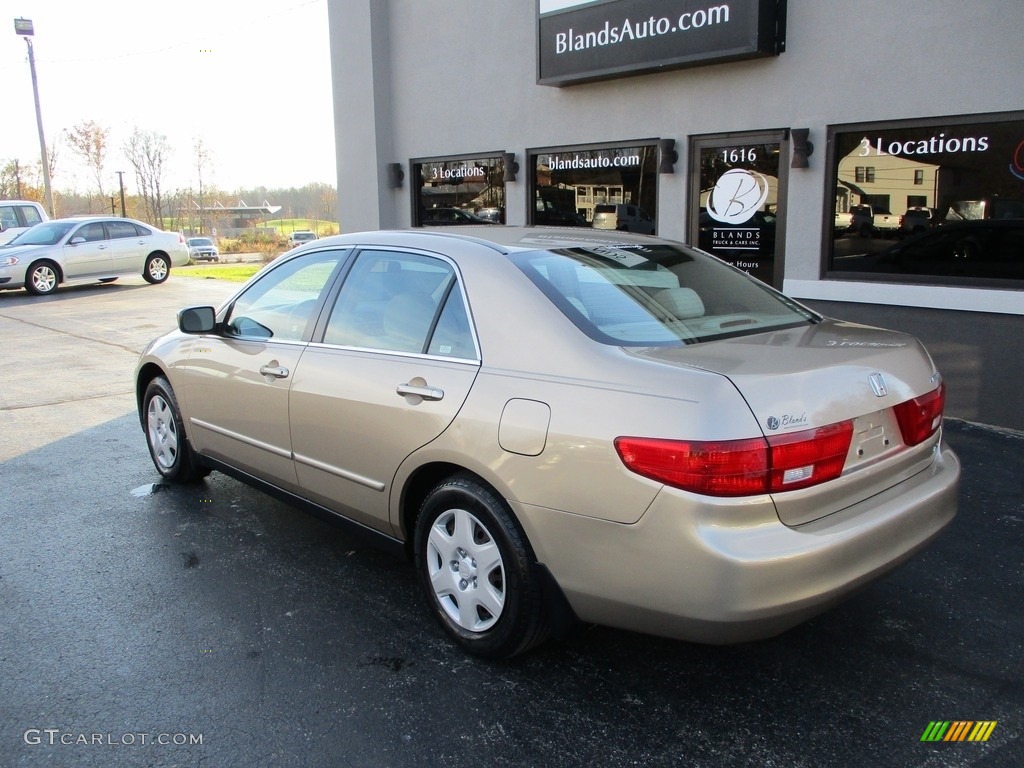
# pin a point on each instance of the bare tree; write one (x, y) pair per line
(147, 151)
(327, 205)
(202, 157)
(89, 141)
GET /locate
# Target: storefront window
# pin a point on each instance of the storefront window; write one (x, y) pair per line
(944, 202)
(737, 201)
(464, 190)
(607, 187)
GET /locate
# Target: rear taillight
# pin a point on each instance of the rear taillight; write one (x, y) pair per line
(809, 457)
(723, 468)
(741, 467)
(920, 418)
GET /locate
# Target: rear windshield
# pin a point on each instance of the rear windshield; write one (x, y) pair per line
(657, 294)
(603, 208)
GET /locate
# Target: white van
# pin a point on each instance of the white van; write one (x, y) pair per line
(623, 217)
(18, 215)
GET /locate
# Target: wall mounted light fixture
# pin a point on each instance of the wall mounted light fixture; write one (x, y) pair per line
(396, 175)
(511, 166)
(667, 155)
(802, 147)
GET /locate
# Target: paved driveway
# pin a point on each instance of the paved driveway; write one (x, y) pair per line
(211, 625)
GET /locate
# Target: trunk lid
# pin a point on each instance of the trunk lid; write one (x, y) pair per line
(803, 378)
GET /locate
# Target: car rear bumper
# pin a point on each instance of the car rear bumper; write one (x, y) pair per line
(718, 571)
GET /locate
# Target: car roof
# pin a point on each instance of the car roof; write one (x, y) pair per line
(501, 238)
(88, 218)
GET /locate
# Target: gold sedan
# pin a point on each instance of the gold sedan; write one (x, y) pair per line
(563, 425)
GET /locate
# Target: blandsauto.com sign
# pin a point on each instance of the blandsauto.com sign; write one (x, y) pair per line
(581, 40)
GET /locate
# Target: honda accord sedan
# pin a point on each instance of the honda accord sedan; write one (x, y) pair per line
(88, 248)
(565, 425)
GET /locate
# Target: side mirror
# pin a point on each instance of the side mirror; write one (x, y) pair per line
(76, 240)
(197, 320)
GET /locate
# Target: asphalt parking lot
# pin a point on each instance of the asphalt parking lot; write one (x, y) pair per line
(211, 625)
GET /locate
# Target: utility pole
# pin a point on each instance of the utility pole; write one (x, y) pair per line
(24, 28)
(120, 179)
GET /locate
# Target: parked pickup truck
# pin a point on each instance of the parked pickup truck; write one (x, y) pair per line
(916, 219)
(870, 223)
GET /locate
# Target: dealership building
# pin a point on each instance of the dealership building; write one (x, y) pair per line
(865, 158)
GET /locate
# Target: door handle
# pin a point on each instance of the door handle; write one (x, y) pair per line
(422, 391)
(274, 371)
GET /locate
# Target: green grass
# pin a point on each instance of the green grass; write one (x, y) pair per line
(286, 226)
(235, 273)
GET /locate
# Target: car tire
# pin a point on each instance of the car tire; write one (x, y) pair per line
(478, 571)
(165, 435)
(42, 278)
(157, 268)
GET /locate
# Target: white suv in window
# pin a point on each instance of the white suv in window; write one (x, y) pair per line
(18, 215)
(623, 217)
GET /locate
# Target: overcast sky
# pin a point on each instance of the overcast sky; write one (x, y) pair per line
(251, 79)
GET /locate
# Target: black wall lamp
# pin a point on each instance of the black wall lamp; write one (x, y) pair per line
(396, 175)
(802, 147)
(511, 166)
(667, 155)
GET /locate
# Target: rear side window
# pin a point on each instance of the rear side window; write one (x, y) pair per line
(657, 294)
(120, 229)
(402, 302)
(31, 215)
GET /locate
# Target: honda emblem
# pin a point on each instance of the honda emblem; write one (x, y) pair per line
(877, 382)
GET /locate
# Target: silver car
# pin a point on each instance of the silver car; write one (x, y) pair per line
(202, 249)
(88, 248)
(560, 425)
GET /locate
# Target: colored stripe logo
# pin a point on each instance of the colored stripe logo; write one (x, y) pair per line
(958, 730)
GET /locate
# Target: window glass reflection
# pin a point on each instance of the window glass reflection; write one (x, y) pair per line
(936, 201)
(454, 192)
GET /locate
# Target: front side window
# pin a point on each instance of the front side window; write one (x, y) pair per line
(649, 295)
(281, 304)
(9, 216)
(936, 175)
(92, 232)
(402, 302)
